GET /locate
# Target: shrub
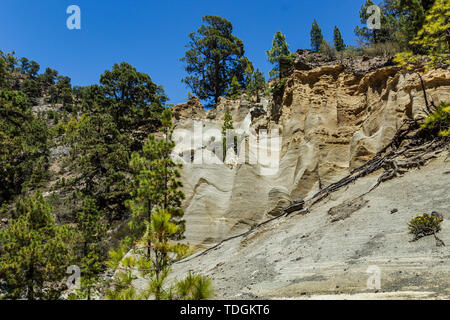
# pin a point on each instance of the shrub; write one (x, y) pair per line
(278, 87)
(327, 50)
(439, 120)
(194, 287)
(386, 49)
(425, 225)
(349, 52)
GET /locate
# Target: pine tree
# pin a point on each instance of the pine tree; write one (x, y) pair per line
(122, 288)
(47, 79)
(104, 137)
(53, 95)
(339, 44)
(326, 49)
(35, 251)
(227, 125)
(388, 23)
(214, 56)
(24, 147)
(434, 36)
(130, 97)
(249, 70)
(194, 287)
(156, 214)
(234, 91)
(100, 155)
(11, 60)
(256, 85)
(156, 179)
(279, 53)
(24, 65)
(433, 39)
(91, 231)
(157, 265)
(3, 73)
(32, 89)
(316, 36)
(406, 18)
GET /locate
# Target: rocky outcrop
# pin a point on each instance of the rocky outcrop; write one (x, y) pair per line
(192, 109)
(360, 65)
(333, 117)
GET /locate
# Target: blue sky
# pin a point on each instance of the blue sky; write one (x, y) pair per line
(151, 35)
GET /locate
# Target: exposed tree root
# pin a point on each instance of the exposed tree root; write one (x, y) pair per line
(411, 147)
(429, 232)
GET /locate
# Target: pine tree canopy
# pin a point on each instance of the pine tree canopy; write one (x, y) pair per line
(433, 39)
(400, 21)
(279, 53)
(213, 58)
(35, 251)
(256, 85)
(23, 145)
(234, 91)
(339, 44)
(131, 95)
(316, 36)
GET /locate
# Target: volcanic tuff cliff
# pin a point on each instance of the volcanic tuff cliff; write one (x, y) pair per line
(332, 117)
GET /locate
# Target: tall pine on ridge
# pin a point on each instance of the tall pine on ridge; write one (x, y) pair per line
(91, 231)
(157, 216)
(279, 53)
(316, 36)
(213, 58)
(339, 44)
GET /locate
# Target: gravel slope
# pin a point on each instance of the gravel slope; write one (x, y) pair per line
(310, 256)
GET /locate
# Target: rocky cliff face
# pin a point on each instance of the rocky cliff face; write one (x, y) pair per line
(331, 118)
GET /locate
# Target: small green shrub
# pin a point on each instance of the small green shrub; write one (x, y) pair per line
(349, 52)
(386, 49)
(425, 225)
(326, 49)
(194, 287)
(440, 120)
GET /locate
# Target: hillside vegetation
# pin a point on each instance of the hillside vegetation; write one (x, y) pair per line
(87, 177)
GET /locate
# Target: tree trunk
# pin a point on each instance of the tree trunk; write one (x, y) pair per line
(216, 81)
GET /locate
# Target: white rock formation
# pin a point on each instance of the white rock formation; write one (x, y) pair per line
(330, 121)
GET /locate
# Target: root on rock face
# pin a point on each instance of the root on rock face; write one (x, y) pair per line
(411, 147)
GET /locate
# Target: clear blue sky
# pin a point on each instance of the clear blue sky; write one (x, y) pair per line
(151, 34)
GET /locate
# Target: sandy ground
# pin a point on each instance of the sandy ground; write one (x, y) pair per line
(317, 256)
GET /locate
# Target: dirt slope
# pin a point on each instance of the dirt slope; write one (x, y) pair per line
(320, 256)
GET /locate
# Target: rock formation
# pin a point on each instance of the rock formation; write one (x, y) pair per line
(332, 117)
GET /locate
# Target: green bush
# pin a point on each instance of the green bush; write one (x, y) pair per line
(440, 120)
(327, 50)
(350, 52)
(194, 287)
(424, 225)
(385, 49)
